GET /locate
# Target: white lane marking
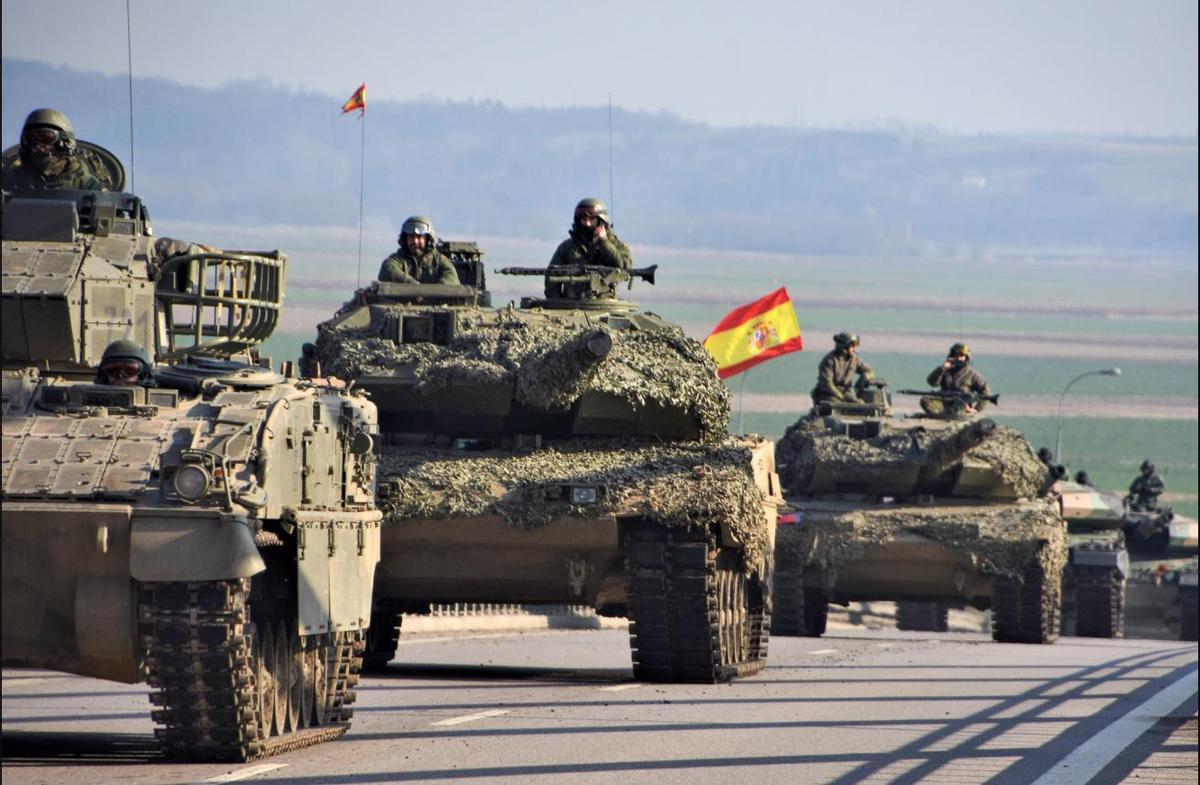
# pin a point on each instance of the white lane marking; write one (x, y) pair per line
(619, 687)
(824, 651)
(1086, 760)
(472, 717)
(246, 773)
(885, 645)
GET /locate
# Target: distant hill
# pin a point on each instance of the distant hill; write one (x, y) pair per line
(250, 153)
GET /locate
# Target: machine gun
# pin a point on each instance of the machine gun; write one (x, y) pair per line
(596, 280)
(951, 401)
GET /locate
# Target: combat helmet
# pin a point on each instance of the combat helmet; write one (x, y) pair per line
(844, 340)
(122, 354)
(592, 206)
(959, 348)
(1147, 466)
(418, 225)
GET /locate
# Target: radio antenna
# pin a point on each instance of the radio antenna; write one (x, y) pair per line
(612, 209)
(129, 53)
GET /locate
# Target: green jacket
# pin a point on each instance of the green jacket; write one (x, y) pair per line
(835, 377)
(430, 267)
(604, 252)
(1146, 490)
(965, 379)
(19, 175)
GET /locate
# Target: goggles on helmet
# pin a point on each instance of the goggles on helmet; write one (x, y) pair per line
(122, 368)
(42, 136)
(585, 212)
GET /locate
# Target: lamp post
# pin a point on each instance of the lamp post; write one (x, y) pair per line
(1058, 431)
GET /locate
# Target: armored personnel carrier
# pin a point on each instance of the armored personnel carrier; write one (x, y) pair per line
(919, 509)
(210, 530)
(563, 451)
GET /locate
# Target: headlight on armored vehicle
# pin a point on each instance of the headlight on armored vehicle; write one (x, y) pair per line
(192, 482)
(584, 495)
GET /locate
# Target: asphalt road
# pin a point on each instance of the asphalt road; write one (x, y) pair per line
(562, 707)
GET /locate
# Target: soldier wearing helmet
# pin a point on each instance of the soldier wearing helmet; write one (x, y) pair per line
(591, 241)
(125, 363)
(1145, 489)
(418, 260)
(955, 374)
(837, 371)
(48, 156)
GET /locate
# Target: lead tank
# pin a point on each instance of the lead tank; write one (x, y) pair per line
(563, 451)
(944, 510)
(211, 532)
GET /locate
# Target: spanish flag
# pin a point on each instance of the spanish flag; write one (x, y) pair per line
(357, 101)
(755, 333)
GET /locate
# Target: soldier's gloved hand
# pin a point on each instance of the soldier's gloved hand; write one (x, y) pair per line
(851, 398)
(166, 247)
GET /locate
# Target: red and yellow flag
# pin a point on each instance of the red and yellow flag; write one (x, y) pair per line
(357, 101)
(755, 333)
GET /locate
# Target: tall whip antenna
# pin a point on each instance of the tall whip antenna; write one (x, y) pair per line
(362, 168)
(129, 53)
(612, 209)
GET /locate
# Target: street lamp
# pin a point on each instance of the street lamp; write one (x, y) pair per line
(1058, 432)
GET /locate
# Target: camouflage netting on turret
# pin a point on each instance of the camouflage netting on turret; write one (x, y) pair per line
(1001, 538)
(936, 449)
(686, 485)
(541, 358)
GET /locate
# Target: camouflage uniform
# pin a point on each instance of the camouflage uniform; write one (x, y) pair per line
(430, 267)
(600, 251)
(964, 379)
(1145, 490)
(18, 174)
(835, 376)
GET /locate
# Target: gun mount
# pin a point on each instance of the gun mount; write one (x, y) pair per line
(595, 283)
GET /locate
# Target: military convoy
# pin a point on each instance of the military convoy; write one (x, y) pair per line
(564, 451)
(930, 510)
(211, 531)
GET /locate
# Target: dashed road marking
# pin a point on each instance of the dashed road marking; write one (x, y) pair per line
(824, 651)
(472, 717)
(241, 774)
(1086, 760)
(619, 687)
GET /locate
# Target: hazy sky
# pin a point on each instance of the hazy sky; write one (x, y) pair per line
(1089, 66)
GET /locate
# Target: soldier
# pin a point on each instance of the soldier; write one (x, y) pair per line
(1045, 456)
(125, 364)
(837, 370)
(48, 156)
(1145, 489)
(1082, 478)
(418, 260)
(591, 241)
(955, 374)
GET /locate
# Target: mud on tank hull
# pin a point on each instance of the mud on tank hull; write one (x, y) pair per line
(686, 528)
(110, 572)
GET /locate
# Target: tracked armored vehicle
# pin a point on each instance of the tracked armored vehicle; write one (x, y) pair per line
(1094, 584)
(563, 451)
(211, 531)
(921, 509)
(1163, 566)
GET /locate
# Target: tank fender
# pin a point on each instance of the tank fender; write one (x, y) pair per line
(193, 547)
(1101, 557)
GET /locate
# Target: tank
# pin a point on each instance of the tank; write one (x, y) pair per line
(1161, 591)
(931, 510)
(211, 532)
(562, 451)
(1094, 584)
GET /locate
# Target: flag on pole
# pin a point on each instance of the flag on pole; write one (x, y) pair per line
(755, 333)
(357, 101)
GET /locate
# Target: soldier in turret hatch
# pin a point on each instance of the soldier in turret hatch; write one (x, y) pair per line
(1145, 489)
(418, 260)
(835, 375)
(955, 374)
(48, 157)
(125, 363)
(592, 241)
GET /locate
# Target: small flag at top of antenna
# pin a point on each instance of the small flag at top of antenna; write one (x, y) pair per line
(357, 101)
(755, 333)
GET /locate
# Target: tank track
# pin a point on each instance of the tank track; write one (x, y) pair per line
(1027, 609)
(1099, 602)
(922, 616)
(798, 610)
(1187, 609)
(216, 696)
(383, 638)
(694, 616)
